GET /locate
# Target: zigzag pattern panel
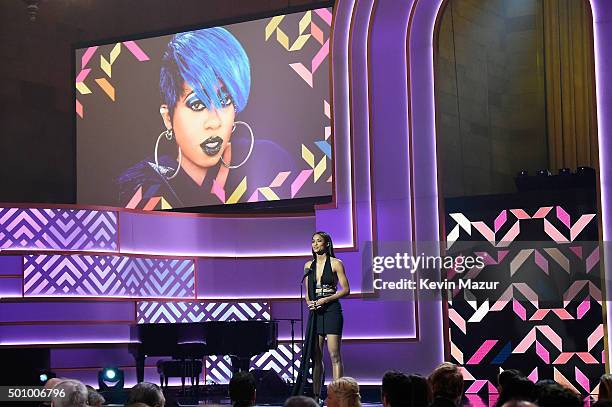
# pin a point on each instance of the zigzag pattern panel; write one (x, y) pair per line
(545, 316)
(58, 229)
(279, 360)
(107, 276)
(219, 369)
(171, 312)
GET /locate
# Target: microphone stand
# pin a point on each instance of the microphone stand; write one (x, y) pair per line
(292, 321)
(301, 305)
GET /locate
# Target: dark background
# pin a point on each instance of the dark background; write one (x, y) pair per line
(36, 88)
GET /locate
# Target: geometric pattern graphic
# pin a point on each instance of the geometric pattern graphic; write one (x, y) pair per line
(106, 63)
(279, 360)
(492, 233)
(171, 312)
(219, 368)
(107, 276)
(547, 267)
(58, 229)
(315, 33)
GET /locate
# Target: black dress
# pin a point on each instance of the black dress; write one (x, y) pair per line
(329, 316)
(326, 320)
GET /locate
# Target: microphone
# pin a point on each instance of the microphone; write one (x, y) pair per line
(307, 270)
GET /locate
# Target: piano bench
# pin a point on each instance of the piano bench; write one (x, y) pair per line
(179, 368)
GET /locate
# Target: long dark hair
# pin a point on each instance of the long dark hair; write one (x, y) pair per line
(329, 245)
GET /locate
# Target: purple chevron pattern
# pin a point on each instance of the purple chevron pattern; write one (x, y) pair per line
(279, 360)
(548, 289)
(58, 229)
(170, 312)
(219, 369)
(107, 276)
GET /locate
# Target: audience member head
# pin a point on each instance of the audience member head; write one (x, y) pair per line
(396, 389)
(74, 394)
(555, 395)
(49, 384)
(504, 377)
(343, 392)
(94, 399)
(519, 403)
(242, 389)
(602, 403)
(54, 381)
(446, 382)
(147, 393)
(300, 401)
(421, 393)
(517, 388)
(605, 387)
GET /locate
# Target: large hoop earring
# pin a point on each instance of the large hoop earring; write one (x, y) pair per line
(168, 134)
(231, 167)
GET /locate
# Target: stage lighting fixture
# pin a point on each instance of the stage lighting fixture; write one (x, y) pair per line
(544, 173)
(110, 378)
(523, 173)
(565, 171)
(45, 375)
(584, 170)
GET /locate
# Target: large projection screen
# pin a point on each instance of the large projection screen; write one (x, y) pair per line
(219, 115)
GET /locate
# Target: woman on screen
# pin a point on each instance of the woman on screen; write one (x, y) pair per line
(205, 81)
(323, 275)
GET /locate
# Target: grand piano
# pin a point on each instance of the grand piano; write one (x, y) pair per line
(241, 340)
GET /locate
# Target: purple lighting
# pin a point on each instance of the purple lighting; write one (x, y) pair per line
(602, 28)
(58, 229)
(335, 221)
(423, 136)
(26, 342)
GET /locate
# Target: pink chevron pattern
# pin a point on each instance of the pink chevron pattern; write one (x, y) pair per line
(539, 322)
(172, 312)
(500, 220)
(58, 229)
(136, 51)
(107, 276)
(484, 349)
(489, 232)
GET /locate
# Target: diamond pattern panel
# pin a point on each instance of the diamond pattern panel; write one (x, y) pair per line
(170, 312)
(107, 276)
(58, 229)
(219, 369)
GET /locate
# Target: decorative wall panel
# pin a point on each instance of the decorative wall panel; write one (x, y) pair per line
(58, 229)
(107, 276)
(170, 312)
(546, 261)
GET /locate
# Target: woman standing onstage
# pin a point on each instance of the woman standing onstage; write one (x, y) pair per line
(323, 274)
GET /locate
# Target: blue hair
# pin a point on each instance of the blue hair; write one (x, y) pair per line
(206, 59)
